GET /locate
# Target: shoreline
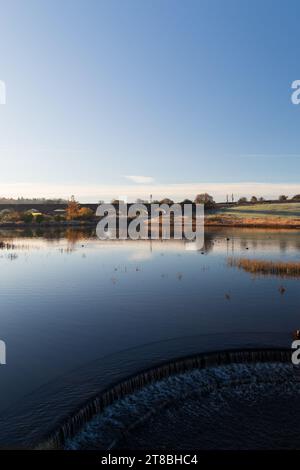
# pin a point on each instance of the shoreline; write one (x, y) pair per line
(208, 223)
(255, 225)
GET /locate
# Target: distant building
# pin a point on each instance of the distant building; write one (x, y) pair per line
(34, 212)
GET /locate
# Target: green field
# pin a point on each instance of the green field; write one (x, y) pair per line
(288, 210)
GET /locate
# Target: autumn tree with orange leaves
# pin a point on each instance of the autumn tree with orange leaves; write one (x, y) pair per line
(73, 209)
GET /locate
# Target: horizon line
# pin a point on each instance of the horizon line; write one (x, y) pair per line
(107, 192)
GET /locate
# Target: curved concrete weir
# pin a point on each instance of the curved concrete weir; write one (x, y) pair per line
(58, 410)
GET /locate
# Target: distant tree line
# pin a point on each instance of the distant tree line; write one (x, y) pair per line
(209, 203)
(281, 198)
(73, 212)
(23, 200)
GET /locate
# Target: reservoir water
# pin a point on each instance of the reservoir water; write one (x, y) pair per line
(78, 313)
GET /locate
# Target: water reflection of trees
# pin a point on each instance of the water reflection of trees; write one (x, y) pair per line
(226, 239)
(71, 234)
(209, 242)
(75, 236)
(244, 239)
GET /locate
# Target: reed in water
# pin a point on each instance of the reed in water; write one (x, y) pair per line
(266, 268)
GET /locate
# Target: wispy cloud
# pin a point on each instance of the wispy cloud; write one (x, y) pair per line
(138, 179)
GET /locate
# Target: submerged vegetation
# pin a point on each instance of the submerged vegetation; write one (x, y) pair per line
(267, 268)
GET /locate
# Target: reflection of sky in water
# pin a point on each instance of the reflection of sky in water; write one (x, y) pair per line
(65, 302)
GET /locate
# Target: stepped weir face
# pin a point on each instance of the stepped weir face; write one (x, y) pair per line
(204, 388)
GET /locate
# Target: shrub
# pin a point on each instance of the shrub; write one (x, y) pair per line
(11, 216)
(242, 200)
(39, 218)
(205, 199)
(85, 213)
(166, 200)
(187, 201)
(27, 217)
(58, 218)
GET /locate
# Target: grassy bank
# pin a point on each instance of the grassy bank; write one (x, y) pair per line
(257, 215)
(261, 215)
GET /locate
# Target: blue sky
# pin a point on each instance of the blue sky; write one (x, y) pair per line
(185, 95)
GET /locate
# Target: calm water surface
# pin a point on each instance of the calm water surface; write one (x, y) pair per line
(68, 299)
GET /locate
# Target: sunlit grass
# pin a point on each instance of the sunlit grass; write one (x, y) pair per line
(267, 268)
(263, 210)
